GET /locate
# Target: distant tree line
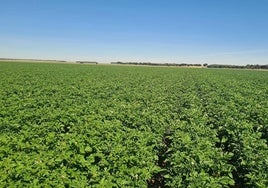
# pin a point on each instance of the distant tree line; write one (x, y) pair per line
(194, 65)
(238, 66)
(157, 64)
(87, 62)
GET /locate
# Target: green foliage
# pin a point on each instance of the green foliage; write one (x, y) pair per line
(119, 126)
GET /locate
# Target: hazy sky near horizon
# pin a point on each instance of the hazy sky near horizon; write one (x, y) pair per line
(178, 31)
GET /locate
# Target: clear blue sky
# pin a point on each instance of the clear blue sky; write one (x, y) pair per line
(179, 31)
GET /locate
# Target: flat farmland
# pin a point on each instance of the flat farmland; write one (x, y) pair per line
(71, 125)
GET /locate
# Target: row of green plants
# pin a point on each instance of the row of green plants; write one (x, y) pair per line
(118, 126)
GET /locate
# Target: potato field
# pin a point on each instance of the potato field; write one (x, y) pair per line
(71, 125)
